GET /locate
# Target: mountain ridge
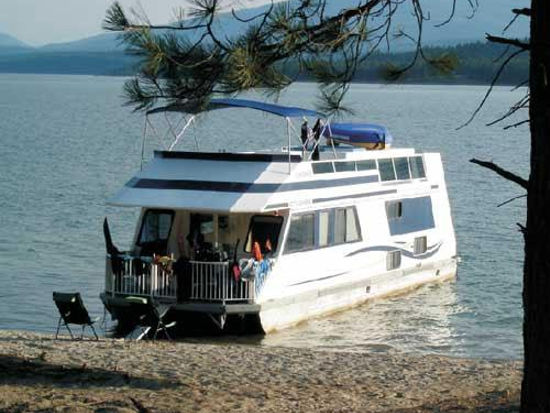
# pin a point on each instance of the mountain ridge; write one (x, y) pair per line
(491, 17)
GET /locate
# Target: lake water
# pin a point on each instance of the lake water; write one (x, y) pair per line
(67, 144)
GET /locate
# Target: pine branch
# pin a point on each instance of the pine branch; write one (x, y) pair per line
(502, 172)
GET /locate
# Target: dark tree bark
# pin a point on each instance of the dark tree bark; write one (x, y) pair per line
(535, 392)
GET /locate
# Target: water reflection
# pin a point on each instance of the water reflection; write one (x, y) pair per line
(419, 321)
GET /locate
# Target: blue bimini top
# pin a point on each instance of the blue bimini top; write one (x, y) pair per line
(285, 111)
(357, 133)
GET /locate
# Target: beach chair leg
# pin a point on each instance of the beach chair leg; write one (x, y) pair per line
(95, 334)
(58, 327)
(70, 332)
(157, 330)
(82, 333)
(143, 333)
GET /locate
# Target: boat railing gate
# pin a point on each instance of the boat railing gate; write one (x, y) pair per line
(136, 276)
(212, 281)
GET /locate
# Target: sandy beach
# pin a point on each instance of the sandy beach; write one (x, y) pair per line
(38, 374)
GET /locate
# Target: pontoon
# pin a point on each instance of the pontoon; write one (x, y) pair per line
(268, 239)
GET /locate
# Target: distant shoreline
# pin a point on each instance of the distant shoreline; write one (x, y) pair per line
(380, 83)
(38, 373)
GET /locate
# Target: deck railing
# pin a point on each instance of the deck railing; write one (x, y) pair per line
(210, 281)
(136, 276)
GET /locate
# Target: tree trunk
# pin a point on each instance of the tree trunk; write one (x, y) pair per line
(535, 392)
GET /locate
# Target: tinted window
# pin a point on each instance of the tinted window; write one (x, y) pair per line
(322, 168)
(155, 230)
(301, 234)
(417, 167)
(385, 166)
(402, 168)
(366, 165)
(156, 226)
(344, 166)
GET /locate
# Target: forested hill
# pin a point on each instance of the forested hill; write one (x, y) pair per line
(477, 63)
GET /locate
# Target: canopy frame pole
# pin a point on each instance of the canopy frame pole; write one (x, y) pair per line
(143, 144)
(155, 133)
(331, 140)
(288, 144)
(179, 135)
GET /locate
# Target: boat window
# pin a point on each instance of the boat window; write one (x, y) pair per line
(322, 167)
(420, 245)
(352, 227)
(385, 166)
(154, 232)
(393, 260)
(394, 209)
(348, 166)
(265, 230)
(417, 167)
(402, 168)
(366, 165)
(340, 226)
(301, 235)
(346, 228)
(325, 228)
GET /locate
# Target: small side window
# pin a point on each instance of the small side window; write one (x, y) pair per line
(417, 167)
(420, 245)
(366, 165)
(402, 168)
(393, 260)
(347, 166)
(301, 234)
(385, 167)
(394, 209)
(322, 168)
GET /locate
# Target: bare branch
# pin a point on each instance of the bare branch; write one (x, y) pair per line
(511, 200)
(523, 12)
(502, 172)
(504, 40)
(491, 87)
(515, 125)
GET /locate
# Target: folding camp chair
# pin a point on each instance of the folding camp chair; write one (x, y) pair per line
(72, 311)
(149, 318)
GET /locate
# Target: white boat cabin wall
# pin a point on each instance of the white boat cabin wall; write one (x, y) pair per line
(284, 236)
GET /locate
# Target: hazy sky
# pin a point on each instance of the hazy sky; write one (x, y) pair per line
(39, 22)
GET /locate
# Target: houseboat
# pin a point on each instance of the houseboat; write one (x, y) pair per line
(268, 239)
